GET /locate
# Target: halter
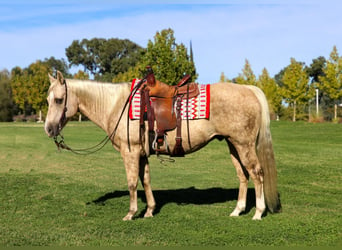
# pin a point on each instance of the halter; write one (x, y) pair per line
(62, 120)
(65, 109)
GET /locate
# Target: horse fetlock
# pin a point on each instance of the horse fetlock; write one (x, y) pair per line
(130, 215)
(257, 215)
(148, 214)
(150, 210)
(239, 209)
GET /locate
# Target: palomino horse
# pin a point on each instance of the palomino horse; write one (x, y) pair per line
(238, 114)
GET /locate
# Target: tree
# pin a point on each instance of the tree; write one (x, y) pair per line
(38, 84)
(19, 87)
(169, 60)
(296, 89)
(81, 75)
(30, 85)
(104, 58)
(223, 78)
(57, 64)
(6, 103)
(247, 77)
(331, 81)
(129, 75)
(272, 92)
(316, 69)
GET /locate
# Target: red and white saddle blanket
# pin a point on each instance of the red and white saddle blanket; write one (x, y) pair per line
(198, 107)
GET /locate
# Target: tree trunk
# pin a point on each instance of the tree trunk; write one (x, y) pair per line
(40, 117)
(294, 111)
(335, 112)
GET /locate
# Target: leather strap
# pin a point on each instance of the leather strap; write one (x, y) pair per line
(183, 80)
(178, 149)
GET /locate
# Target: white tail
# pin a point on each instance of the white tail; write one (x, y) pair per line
(266, 155)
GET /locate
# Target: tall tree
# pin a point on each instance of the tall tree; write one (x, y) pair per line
(19, 85)
(247, 77)
(169, 60)
(316, 69)
(6, 103)
(30, 85)
(331, 81)
(223, 78)
(38, 86)
(104, 58)
(296, 89)
(272, 92)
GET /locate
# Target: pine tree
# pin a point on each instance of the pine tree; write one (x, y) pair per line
(247, 77)
(223, 78)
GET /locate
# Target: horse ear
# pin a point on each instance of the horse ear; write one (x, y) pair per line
(151, 81)
(60, 77)
(51, 78)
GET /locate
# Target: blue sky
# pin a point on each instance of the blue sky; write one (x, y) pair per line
(223, 33)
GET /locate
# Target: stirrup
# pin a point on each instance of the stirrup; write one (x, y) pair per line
(156, 146)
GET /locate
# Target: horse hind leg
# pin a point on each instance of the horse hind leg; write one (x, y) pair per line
(249, 160)
(243, 178)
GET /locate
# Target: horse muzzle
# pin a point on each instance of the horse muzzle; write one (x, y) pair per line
(52, 130)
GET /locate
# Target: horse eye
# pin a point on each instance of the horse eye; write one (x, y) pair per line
(58, 100)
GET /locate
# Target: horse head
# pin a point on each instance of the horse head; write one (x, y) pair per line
(62, 105)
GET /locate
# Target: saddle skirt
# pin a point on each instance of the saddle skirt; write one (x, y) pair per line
(198, 107)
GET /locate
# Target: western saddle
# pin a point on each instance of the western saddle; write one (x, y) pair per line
(160, 100)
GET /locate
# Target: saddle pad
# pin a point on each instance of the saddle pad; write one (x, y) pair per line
(198, 107)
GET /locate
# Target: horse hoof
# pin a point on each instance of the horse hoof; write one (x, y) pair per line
(127, 217)
(256, 217)
(236, 212)
(148, 215)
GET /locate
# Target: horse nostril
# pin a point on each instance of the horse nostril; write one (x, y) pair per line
(49, 130)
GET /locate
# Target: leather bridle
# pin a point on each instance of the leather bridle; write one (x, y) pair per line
(62, 120)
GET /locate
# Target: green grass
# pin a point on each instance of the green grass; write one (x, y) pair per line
(56, 198)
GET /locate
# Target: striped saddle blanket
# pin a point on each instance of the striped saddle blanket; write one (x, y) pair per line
(198, 107)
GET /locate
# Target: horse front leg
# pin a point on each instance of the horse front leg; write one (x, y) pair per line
(131, 161)
(146, 181)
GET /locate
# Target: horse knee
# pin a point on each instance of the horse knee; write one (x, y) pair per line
(132, 186)
(258, 172)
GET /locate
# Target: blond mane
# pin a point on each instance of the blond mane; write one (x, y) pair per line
(98, 98)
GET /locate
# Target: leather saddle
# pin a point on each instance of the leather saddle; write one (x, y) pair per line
(165, 99)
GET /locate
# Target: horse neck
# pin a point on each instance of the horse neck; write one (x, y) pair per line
(100, 102)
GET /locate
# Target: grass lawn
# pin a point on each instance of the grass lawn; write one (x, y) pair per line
(53, 198)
